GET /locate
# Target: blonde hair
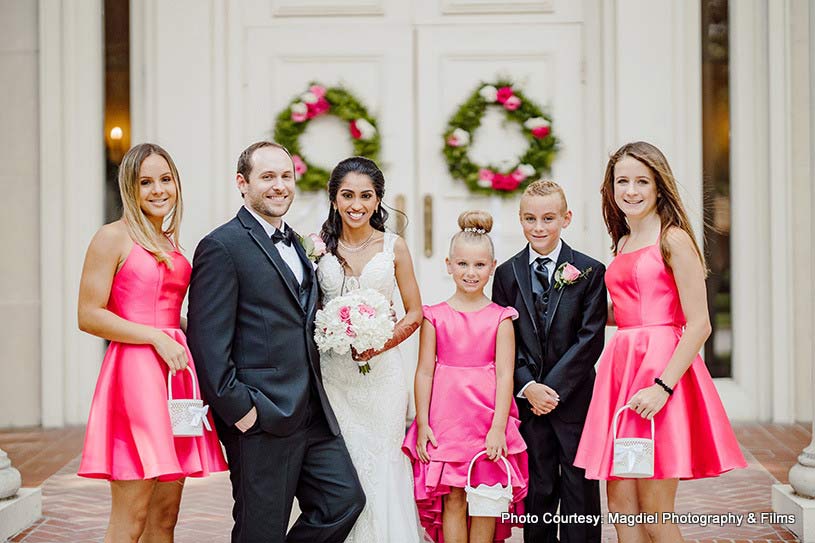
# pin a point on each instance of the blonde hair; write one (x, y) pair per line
(474, 227)
(545, 187)
(138, 226)
(670, 209)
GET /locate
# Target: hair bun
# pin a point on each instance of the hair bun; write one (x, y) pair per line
(477, 222)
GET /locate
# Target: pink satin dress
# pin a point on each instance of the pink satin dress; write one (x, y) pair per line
(462, 406)
(693, 438)
(129, 436)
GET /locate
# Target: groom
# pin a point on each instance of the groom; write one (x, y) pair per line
(253, 296)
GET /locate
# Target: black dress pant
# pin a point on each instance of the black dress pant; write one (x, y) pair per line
(267, 472)
(554, 479)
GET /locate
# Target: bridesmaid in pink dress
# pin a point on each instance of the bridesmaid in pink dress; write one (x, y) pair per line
(464, 399)
(133, 283)
(657, 287)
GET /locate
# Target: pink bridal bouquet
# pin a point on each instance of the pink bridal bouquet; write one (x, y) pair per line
(360, 319)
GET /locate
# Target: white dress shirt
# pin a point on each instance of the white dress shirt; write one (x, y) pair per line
(550, 272)
(287, 252)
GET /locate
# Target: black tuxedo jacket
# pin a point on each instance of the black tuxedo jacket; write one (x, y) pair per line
(575, 331)
(251, 331)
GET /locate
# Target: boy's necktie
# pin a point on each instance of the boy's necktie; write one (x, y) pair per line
(541, 273)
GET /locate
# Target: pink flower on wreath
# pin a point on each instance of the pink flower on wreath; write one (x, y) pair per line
(299, 166)
(504, 94)
(368, 311)
(317, 90)
(485, 175)
(318, 108)
(541, 131)
(299, 117)
(356, 133)
(504, 182)
(570, 273)
(345, 314)
(517, 175)
(512, 103)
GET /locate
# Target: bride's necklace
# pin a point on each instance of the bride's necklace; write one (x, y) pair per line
(357, 248)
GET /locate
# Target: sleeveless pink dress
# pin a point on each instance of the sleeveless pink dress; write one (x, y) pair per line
(693, 438)
(461, 409)
(129, 436)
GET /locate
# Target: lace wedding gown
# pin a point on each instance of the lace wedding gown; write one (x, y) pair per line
(371, 412)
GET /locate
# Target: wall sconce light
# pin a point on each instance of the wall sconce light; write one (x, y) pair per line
(116, 150)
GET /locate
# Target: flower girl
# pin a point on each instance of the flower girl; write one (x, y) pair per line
(466, 361)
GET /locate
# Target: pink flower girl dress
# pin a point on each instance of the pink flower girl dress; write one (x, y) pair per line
(461, 409)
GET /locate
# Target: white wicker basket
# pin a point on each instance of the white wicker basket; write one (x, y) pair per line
(488, 501)
(188, 417)
(633, 456)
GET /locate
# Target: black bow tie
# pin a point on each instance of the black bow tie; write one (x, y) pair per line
(285, 236)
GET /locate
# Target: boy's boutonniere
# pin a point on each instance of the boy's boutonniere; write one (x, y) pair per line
(313, 245)
(567, 275)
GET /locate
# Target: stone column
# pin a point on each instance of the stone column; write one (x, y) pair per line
(19, 507)
(10, 480)
(797, 500)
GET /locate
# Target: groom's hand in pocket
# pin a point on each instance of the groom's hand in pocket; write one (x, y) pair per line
(248, 420)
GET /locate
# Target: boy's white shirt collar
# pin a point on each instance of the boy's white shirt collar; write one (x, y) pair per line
(533, 254)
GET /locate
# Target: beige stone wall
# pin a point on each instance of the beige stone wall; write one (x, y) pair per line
(20, 217)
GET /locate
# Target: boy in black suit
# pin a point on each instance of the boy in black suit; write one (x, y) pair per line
(561, 298)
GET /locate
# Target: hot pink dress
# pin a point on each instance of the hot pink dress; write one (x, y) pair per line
(462, 406)
(693, 437)
(129, 436)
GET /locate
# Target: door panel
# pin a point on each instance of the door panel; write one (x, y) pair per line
(452, 61)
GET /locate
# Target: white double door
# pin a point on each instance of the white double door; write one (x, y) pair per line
(412, 78)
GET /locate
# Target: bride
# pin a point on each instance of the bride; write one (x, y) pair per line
(371, 407)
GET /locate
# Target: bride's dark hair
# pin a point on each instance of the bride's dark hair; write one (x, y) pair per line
(332, 227)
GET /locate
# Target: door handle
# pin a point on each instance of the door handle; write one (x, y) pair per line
(400, 220)
(428, 225)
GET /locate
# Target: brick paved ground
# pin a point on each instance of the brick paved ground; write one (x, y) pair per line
(76, 509)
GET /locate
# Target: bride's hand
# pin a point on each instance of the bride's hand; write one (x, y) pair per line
(425, 434)
(364, 356)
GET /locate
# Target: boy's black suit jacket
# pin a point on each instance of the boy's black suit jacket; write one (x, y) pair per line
(575, 331)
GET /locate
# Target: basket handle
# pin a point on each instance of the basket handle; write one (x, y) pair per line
(194, 384)
(472, 462)
(617, 416)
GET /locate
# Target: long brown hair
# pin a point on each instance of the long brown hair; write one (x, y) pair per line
(138, 226)
(670, 209)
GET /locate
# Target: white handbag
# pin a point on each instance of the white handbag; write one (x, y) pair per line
(488, 501)
(188, 417)
(633, 456)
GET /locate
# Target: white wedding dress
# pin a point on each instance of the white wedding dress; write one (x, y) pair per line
(371, 412)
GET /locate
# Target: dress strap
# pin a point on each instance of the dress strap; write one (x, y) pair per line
(390, 240)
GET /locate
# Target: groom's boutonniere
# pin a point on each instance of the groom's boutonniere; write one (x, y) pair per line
(313, 245)
(567, 275)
